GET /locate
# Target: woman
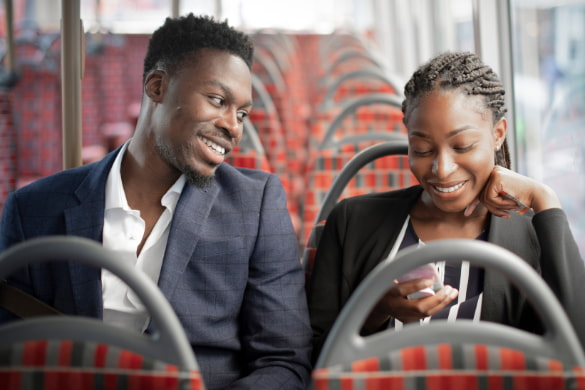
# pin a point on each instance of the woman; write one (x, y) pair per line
(454, 113)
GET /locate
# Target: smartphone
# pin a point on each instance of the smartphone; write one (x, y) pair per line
(427, 271)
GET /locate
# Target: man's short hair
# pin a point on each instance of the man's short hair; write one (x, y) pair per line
(179, 39)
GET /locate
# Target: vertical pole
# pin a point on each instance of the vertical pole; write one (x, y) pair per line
(9, 58)
(175, 9)
(71, 73)
(492, 21)
(507, 73)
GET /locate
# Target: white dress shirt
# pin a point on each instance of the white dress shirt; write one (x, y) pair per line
(123, 232)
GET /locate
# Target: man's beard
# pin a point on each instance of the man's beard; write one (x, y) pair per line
(193, 177)
(197, 179)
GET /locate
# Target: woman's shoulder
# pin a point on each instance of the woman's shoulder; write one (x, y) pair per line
(379, 205)
(402, 194)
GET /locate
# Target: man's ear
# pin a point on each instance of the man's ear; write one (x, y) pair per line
(154, 85)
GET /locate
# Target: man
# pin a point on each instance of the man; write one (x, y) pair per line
(218, 240)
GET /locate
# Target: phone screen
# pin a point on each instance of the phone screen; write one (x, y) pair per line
(427, 271)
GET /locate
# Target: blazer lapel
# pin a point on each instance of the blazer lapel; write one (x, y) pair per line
(87, 220)
(512, 234)
(190, 216)
(395, 215)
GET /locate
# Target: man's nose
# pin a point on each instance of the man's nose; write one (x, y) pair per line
(230, 122)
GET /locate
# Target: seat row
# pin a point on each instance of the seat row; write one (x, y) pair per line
(342, 102)
(318, 100)
(75, 352)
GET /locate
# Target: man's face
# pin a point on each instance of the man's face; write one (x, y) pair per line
(199, 118)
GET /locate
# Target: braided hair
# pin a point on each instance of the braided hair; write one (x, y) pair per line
(463, 71)
(178, 40)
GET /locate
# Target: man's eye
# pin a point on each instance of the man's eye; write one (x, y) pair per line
(242, 115)
(219, 101)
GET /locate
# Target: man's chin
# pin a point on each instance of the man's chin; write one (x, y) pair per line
(199, 180)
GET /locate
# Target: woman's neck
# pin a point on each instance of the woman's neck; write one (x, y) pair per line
(431, 223)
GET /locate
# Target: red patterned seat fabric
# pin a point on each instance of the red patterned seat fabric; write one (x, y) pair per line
(446, 367)
(60, 365)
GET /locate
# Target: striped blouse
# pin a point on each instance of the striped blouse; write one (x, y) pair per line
(464, 277)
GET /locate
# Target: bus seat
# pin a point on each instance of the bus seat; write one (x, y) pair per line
(64, 364)
(361, 82)
(518, 374)
(380, 167)
(8, 151)
(459, 354)
(249, 153)
(381, 174)
(61, 351)
(372, 113)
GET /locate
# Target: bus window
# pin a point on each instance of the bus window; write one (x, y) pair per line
(549, 73)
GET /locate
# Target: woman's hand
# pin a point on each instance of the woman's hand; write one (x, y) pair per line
(396, 304)
(506, 191)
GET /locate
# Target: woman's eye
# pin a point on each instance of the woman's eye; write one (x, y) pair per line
(421, 153)
(421, 149)
(463, 149)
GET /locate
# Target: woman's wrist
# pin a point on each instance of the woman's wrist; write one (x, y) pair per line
(545, 198)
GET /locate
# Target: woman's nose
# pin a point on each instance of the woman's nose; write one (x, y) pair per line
(443, 165)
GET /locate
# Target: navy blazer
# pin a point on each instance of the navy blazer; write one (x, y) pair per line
(231, 269)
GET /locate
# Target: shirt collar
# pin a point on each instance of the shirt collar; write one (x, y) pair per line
(116, 197)
(171, 197)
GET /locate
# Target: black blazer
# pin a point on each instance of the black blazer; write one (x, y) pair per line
(361, 231)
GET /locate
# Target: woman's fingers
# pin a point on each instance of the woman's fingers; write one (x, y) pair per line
(507, 191)
(408, 310)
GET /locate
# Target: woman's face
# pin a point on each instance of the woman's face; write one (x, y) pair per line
(452, 144)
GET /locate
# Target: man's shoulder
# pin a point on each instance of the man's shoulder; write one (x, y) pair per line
(59, 181)
(67, 181)
(229, 175)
